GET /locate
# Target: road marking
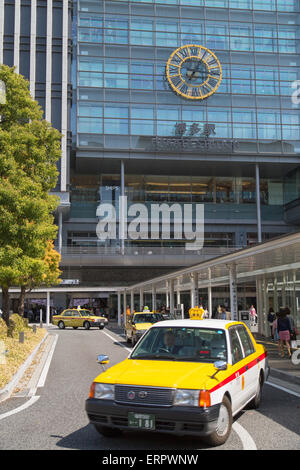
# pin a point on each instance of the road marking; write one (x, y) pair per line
(20, 408)
(32, 393)
(247, 441)
(45, 370)
(291, 392)
(115, 340)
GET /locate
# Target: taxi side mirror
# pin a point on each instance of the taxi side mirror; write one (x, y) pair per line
(103, 359)
(219, 365)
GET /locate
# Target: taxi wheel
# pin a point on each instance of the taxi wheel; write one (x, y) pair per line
(86, 325)
(224, 424)
(106, 431)
(61, 325)
(75, 327)
(101, 327)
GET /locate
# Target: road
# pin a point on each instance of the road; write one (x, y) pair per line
(54, 416)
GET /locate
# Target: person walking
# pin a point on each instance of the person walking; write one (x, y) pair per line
(271, 319)
(284, 332)
(253, 315)
(275, 331)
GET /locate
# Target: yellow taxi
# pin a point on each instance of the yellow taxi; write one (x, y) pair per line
(184, 377)
(138, 323)
(78, 318)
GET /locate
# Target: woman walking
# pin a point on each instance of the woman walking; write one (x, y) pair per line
(284, 332)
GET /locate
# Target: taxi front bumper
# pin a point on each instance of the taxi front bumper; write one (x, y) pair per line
(177, 420)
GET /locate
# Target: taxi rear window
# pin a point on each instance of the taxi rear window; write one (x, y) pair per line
(182, 344)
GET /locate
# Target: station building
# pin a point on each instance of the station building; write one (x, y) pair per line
(175, 102)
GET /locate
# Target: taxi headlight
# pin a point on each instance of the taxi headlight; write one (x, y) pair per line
(104, 391)
(186, 397)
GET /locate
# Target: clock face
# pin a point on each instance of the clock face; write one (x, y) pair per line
(193, 72)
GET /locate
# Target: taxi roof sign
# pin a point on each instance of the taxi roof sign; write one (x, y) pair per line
(196, 313)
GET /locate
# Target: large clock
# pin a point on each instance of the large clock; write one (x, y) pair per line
(193, 72)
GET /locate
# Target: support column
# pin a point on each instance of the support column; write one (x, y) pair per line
(209, 306)
(119, 308)
(171, 287)
(233, 292)
(124, 307)
(60, 232)
(122, 210)
(275, 295)
(265, 325)
(194, 291)
(258, 211)
(132, 301)
(167, 295)
(259, 304)
(153, 298)
(141, 299)
(48, 309)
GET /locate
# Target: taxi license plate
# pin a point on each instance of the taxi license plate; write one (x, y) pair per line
(141, 421)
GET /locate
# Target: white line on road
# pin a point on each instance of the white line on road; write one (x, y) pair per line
(34, 398)
(291, 392)
(44, 373)
(20, 408)
(247, 441)
(116, 341)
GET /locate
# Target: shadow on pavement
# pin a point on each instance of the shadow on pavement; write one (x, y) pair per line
(87, 438)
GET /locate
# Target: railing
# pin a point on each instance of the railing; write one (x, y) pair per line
(145, 251)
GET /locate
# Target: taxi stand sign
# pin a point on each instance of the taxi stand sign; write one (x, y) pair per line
(196, 313)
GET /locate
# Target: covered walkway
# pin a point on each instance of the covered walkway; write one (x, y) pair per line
(273, 267)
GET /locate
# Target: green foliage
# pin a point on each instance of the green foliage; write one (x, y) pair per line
(3, 329)
(29, 150)
(16, 325)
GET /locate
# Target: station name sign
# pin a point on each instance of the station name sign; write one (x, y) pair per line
(185, 139)
(194, 145)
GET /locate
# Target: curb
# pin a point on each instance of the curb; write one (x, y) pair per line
(278, 374)
(6, 392)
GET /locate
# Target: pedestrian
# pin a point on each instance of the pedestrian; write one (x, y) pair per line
(294, 331)
(274, 330)
(284, 332)
(223, 315)
(253, 315)
(271, 319)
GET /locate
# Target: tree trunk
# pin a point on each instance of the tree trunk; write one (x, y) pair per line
(5, 305)
(22, 301)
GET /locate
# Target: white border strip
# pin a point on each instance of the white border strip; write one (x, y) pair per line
(1, 30)
(33, 48)
(44, 373)
(20, 408)
(17, 35)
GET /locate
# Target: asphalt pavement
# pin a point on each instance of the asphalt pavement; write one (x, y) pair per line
(53, 417)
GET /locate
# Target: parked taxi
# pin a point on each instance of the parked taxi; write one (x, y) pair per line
(78, 318)
(138, 323)
(184, 377)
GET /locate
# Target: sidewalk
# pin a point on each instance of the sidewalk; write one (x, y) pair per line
(280, 368)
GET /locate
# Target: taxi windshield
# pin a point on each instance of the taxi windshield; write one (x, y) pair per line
(182, 344)
(86, 313)
(147, 318)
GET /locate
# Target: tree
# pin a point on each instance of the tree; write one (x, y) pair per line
(29, 150)
(39, 272)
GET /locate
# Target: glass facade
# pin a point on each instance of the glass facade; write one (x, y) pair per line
(123, 97)
(124, 108)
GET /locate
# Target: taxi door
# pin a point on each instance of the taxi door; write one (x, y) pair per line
(76, 319)
(252, 366)
(237, 384)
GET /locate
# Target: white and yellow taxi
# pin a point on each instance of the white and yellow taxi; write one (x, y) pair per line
(138, 323)
(185, 377)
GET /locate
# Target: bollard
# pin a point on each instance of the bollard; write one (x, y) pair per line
(34, 328)
(21, 337)
(41, 318)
